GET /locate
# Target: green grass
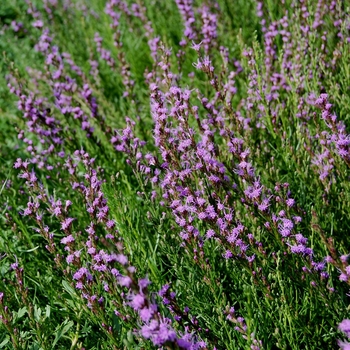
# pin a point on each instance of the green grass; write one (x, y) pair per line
(284, 306)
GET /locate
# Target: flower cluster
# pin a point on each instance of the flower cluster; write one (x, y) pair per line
(186, 186)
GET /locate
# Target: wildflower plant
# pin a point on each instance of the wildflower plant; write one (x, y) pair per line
(174, 174)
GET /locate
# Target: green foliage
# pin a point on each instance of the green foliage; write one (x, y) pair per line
(283, 305)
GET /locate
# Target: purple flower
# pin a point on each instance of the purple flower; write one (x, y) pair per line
(14, 266)
(343, 277)
(38, 24)
(110, 223)
(79, 285)
(148, 329)
(124, 281)
(228, 254)
(146, 314)
(18, 163)
(70, 258)
(78, 275)
(210, 233)
(137, 301)
(344, 345)
(195, 46)
(122, 259)
(290, 202)
(164, 335)
(66, 223)
(164, 290)
(144, 283)
(301, 239)
(263, 206)
(344, 326)
(202, 215)
(68, 239)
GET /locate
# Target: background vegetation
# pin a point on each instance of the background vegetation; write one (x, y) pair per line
(174, 174)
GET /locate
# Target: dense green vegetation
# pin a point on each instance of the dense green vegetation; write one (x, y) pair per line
(174, 174)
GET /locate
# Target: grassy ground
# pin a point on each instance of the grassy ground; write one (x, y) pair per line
(226, 187)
